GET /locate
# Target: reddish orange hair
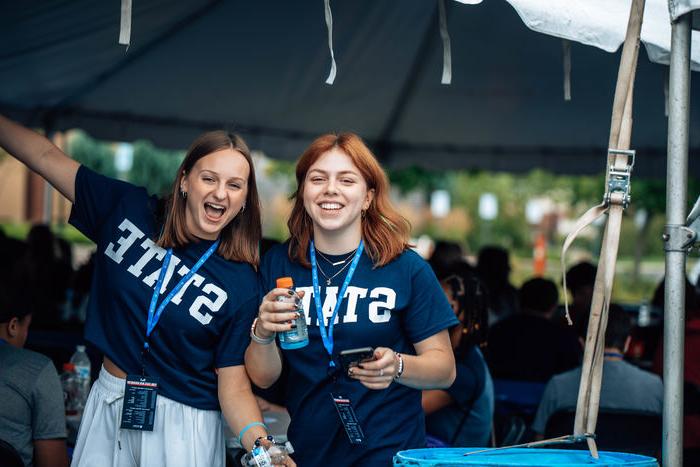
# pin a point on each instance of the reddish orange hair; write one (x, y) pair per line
(384, 231)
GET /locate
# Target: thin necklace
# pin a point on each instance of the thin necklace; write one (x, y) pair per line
(337, 263)
(328, 279)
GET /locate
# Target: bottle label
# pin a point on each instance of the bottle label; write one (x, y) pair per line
(261, 457)
(82, 372)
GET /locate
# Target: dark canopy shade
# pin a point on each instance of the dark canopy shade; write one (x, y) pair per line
(258, 67)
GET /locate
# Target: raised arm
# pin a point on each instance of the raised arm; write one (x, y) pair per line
(40, 155)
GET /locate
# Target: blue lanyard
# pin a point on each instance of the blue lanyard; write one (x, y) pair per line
(153, 313)
(327, 337)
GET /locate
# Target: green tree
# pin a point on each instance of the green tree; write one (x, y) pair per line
(154, 168)
(94, 154)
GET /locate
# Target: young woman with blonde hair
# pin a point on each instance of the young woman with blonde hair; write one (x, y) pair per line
(171, 303)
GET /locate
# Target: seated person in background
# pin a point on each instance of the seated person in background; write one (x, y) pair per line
(580, 280)
(624, 386)
(493, 268)
(32, 414)
(529, 346)
(446, 254)
(462, 415)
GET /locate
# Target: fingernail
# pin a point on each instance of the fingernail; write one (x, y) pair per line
(290, 292)
(296, 315)
(294, 325)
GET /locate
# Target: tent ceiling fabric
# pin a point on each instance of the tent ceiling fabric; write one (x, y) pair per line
(681, 7)
(259, 68)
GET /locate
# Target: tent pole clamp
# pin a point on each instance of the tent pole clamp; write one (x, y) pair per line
(684, 237)
(619, 175)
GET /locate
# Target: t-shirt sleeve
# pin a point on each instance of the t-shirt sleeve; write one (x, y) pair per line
(48, 411)
(429, 312)
(95, 198)
(548, 405)
(236, 337)
(266, 270)
(464, 387)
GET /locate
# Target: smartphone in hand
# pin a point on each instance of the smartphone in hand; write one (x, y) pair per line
(353, 357)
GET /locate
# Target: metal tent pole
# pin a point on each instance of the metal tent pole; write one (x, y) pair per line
(676, 203)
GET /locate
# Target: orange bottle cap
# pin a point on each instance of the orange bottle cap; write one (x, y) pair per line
(285, 283)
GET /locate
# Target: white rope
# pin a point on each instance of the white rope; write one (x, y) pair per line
(446, 46)
(566, 49)
(125, 24)
(329, 26)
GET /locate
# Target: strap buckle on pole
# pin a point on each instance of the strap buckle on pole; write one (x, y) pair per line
(619, 174)
(683, 238)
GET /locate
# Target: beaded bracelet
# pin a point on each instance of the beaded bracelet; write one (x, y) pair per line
(260, 340)
(400, 371)
(248, 427)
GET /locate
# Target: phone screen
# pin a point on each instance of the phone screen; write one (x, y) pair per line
(353, 357)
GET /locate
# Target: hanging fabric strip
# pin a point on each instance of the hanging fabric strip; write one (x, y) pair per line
(329, 26)
(446, 46)
(125, 24)
(619, 168)
(566, 51)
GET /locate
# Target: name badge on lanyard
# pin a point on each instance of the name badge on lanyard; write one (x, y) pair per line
(343, 405)
(139, 408)
(141, 391)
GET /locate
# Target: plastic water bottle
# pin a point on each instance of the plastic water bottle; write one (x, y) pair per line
(68, 384)
(298, 337)
(81, 362)
(262, 456)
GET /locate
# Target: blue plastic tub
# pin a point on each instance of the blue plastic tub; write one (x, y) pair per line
(448, 457)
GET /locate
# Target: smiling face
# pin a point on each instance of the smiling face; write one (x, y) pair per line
(335, 194)
(216, 187)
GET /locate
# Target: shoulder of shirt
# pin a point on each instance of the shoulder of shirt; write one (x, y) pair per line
(29, 358)
(629, 367)
(276, 253)
(408, 258)
(574, 373)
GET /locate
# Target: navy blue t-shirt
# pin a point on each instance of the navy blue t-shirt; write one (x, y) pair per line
(392, 306)
(467, 421)
(205, 326)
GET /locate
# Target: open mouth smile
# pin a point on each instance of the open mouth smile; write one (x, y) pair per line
(214, 211)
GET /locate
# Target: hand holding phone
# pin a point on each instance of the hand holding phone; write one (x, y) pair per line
(353, 357)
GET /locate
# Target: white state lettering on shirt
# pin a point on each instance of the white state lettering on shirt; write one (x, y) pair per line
(383, 316)
(214, 306)
(196, 278)
(352, 295)
(124, 242)
(152, 250)
(152, 278)
(306, 302)
(329, 305)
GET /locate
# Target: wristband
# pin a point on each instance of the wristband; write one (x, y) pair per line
(400, 370)
(248, 427)
(260, 340)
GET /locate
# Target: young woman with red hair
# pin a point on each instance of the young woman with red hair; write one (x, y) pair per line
(362, 286)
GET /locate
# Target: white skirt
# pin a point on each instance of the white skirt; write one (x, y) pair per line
(182, 435)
